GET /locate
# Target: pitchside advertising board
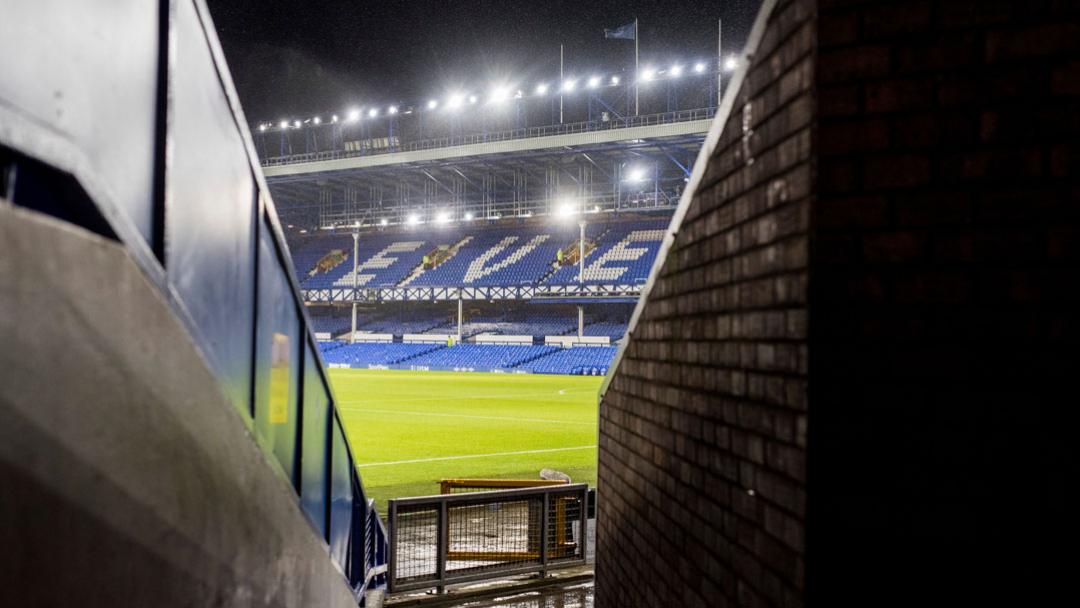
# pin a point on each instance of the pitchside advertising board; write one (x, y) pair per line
(585, 371)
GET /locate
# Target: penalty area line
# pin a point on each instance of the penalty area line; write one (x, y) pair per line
(381, 464)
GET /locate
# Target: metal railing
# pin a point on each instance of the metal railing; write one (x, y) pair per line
(594, 207)
(456, 538)
(627, 122)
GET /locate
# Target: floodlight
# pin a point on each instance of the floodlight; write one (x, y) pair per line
(354, 114)
(454, 101)
(443, 217)
(373, 112)
(391, 110)
(699, 67)
(383, 222)
(283, 124)
(262, 127)
(469, 216)
(569, 84)
(499, 94)
(648, 74)
(566, 209)
(731, 64)
(596, 209)
(432, 104)
(541, 89)
(614, 80)
(594, 81)
(296, 124)
(637, 174)
(333, 118)
(413, 219)
(676, 71)
(316, 120)
(472, 98)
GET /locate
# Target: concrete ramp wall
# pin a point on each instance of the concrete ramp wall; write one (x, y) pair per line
(128, 478)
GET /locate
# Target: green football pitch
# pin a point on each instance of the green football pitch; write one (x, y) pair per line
(410, 429)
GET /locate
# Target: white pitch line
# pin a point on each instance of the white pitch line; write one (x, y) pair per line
(380, 464)
(513, 395)
(396, 412)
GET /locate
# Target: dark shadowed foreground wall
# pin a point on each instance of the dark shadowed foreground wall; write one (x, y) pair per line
(852, 377)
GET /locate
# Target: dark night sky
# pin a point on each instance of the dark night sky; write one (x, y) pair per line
(291, 58)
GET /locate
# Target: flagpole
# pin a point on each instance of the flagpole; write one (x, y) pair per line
(637, 71)
(719, 61)
(560, 83)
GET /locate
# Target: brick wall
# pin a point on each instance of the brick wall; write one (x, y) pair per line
(703, 428)
(852, 379)
(945, 297)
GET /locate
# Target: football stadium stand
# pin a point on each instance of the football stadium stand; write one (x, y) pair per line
(481, 323)
(537, 254)
(622, 253)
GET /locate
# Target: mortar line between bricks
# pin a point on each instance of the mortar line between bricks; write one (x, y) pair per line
(732, 540)
(772, 471)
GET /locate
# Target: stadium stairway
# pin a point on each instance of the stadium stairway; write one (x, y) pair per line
(532, 356)
(419, 270)
(413, 356)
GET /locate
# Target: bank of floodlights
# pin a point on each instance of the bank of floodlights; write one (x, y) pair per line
(502, 93)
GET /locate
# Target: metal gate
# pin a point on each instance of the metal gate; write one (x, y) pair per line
(456, 538)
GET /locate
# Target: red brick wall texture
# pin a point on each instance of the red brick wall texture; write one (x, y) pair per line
(852, 379)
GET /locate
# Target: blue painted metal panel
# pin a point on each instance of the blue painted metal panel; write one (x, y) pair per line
(315, 444)
(341, 498)
(277, 352)
(61, 65)
(210, 251)
(359, 561)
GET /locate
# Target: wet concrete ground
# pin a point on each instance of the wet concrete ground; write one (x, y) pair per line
(572, 596)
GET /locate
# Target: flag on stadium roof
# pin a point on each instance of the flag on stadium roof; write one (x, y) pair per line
(625, 32)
